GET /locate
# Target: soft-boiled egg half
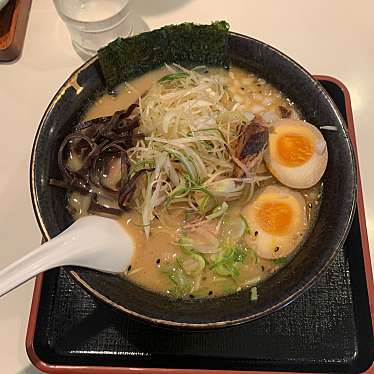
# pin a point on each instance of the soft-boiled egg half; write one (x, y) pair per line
(277, 219)
(296, 153)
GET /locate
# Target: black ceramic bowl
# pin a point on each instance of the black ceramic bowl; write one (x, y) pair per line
(328, 235)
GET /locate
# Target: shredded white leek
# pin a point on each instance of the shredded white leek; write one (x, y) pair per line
(331, 128)
(190, 124)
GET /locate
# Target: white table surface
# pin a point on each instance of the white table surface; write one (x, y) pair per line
(334, 37)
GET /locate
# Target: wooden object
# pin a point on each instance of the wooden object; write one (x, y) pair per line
(13, 22)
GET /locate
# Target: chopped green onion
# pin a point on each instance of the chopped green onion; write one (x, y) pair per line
(140, 225)
(239, 254)
(200, 241)
(188, 165)
(204, 204)
(280, 260)
(193, 265)
(203, 190)
(247, 230)
(254, 294)
(225, 263)
(177, 193)
(222, 270)
(234, 227)
(140, 165)
(185, 244)
(218, 211)
(182, 283)
(208, 129)
(173, 76)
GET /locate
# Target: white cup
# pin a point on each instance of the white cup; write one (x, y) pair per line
(94, 23)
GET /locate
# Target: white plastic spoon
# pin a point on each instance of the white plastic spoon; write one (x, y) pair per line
(93, 242)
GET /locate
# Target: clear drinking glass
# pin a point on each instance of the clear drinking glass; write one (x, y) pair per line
(94, 23)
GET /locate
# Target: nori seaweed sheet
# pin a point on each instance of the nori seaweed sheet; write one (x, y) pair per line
(186, 44)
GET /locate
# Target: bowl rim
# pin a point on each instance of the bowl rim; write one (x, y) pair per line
(309, 281)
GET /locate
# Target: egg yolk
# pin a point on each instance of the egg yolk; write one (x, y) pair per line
(294, 149)
(274, 217)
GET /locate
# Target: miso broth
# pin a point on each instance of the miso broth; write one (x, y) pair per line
(189, 212)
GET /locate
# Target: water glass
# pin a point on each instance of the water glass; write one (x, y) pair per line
(94, 23)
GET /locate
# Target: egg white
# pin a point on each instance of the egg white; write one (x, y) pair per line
(307, 174)
(268, 245)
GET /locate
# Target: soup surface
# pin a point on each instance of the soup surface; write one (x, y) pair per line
(199, 182)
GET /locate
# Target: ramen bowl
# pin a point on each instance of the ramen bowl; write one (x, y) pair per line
(336, 211)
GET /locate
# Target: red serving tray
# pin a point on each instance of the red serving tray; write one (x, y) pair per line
(60, 369)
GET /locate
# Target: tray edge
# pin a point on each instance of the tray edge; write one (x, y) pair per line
(360, 198)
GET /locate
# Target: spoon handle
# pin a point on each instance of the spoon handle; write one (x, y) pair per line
(35, 262)
(92, 242)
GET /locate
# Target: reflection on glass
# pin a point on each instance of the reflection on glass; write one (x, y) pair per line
(95, 23)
